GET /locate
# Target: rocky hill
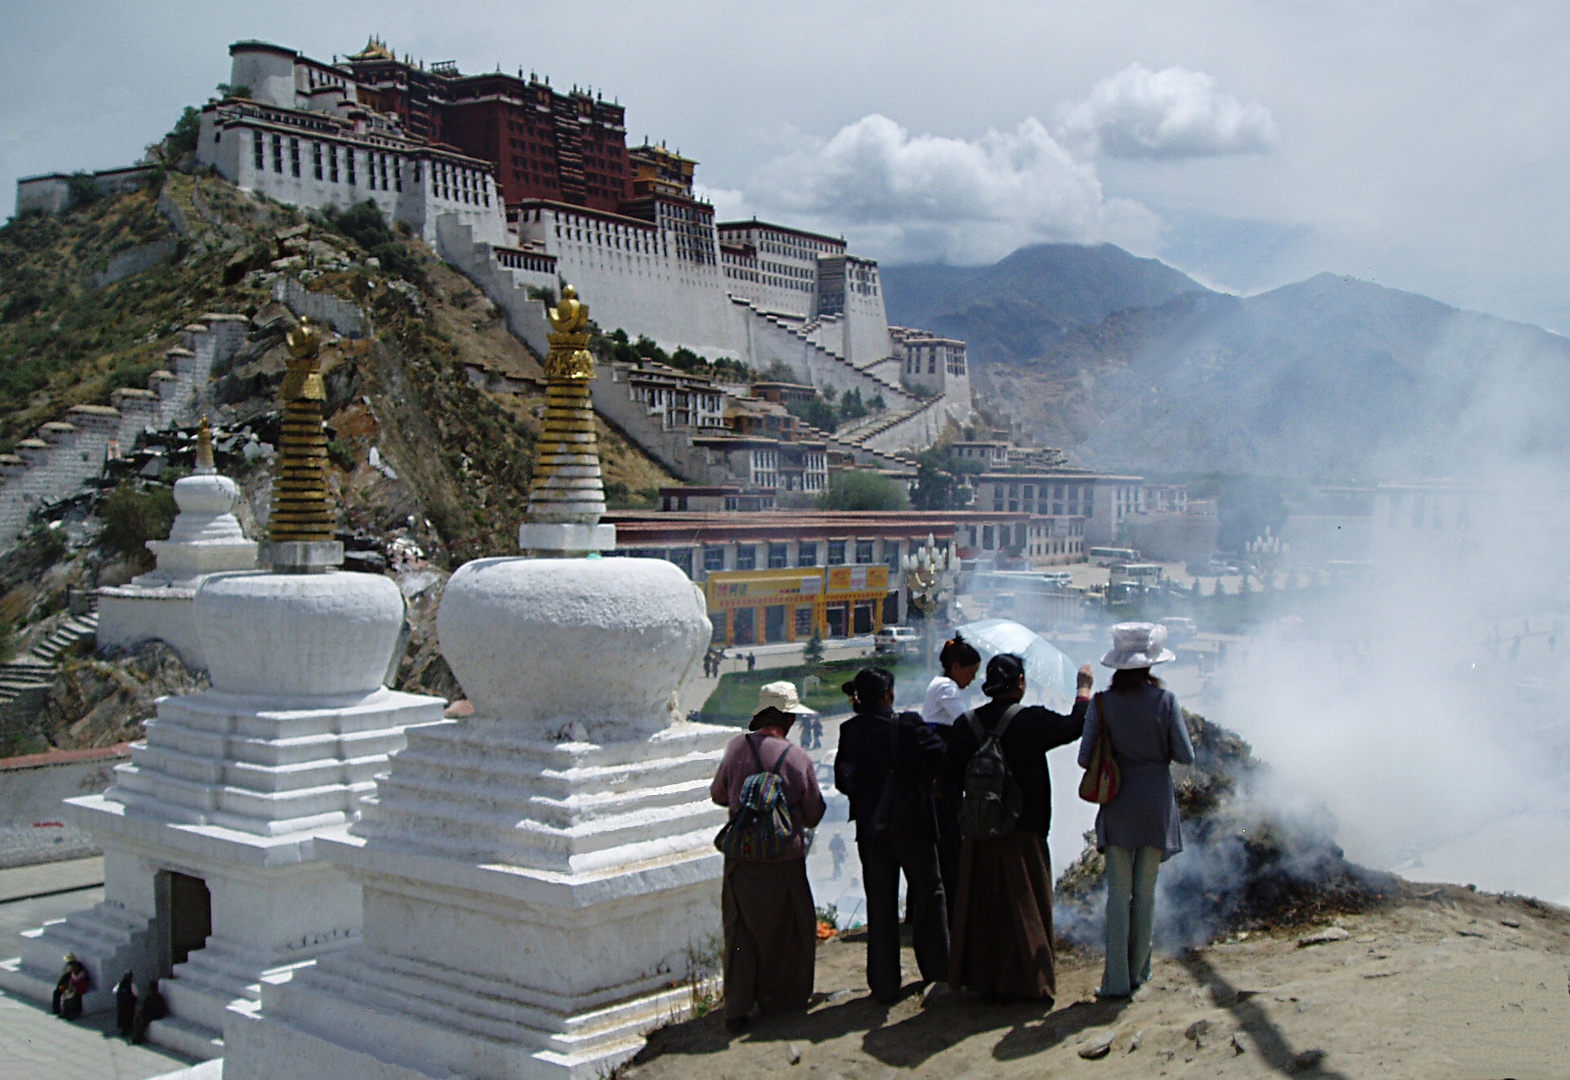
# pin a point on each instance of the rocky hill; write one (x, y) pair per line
(1326, 379)
(430, 468)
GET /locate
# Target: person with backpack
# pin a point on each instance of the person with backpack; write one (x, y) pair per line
(885, 765)
(770, 786)
(997, 758)
(1137, 828)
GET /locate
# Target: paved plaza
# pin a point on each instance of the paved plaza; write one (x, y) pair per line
(37, 1046)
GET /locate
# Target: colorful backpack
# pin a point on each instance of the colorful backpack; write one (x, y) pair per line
(992, 801)
(761, 830)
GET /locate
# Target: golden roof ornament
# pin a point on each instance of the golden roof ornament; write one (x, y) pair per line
(302, 508)
(567, 487)
(204, 449)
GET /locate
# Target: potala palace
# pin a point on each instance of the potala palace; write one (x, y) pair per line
(523, 187)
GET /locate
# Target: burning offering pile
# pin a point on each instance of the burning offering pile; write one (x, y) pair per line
(1254, 857)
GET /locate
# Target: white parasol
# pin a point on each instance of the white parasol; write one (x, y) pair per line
(1049, 673)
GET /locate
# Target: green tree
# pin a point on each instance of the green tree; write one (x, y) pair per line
(857, 489)
(851, 407)
(815, 411)
(812, 652)
(181, 142)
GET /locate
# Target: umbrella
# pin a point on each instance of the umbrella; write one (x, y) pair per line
(1049, 674)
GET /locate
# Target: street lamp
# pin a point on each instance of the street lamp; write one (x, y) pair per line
(929, 575)
(1266, 552)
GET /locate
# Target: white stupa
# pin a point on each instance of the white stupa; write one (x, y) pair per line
(212, 833)
(540, 882)
(206, 539)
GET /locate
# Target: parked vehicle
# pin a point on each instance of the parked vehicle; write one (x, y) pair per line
(896, 640)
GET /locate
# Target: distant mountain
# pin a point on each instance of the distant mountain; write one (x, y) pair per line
(1029, 302)
(1329, 378)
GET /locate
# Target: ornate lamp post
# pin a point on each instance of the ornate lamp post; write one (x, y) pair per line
(929, 575)
(1266, 552)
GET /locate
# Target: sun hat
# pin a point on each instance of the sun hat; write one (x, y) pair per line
(779, 697)
(1138, 645)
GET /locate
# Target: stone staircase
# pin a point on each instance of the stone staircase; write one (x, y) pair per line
(25, 681)
(827, 367)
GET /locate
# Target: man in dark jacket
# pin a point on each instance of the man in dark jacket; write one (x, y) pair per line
(896, 832)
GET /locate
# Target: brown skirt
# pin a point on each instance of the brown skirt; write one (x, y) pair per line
(771, 936)
(1003, 918)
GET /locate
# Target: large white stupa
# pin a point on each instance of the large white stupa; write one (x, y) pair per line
(212, 833)
(540, 882)
(206, 538)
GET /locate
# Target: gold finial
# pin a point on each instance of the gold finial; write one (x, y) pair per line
(204, 449)
(570, 357)
(567, 486)
(302, 509)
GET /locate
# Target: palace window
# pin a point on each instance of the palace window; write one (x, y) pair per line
(713, 558)
(257, 161)
(891, 554)
(682, 557)
(316, 159)
(294, 157)
(746, 557)
(806, 554)
(348, 158)
(332, 163)
(863, 551)
(836, 552)
(779, 556)
(277, 153)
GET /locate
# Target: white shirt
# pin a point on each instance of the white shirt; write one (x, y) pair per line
(945, 702)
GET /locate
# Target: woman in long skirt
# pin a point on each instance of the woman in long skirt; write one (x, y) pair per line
(1002, 936)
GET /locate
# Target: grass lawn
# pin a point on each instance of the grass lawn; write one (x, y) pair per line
(736, 696)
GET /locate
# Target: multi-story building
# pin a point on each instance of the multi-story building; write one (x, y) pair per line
(299, 132)
(933, 365)
(522, 187)
(544, 144)
(774, 576)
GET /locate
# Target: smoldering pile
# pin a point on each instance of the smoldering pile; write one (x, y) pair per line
(1253, 857)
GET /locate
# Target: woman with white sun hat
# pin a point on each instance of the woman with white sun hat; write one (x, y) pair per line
(1138, 829)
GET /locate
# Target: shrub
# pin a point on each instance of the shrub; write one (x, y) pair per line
(856, 489)
(132, 516)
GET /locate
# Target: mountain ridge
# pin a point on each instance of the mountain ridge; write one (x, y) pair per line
(1331, 377)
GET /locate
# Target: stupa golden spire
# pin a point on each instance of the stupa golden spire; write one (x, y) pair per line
(567, 487)
(302, 509)
(204, 449)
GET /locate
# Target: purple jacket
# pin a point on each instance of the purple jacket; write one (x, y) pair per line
(798, 773)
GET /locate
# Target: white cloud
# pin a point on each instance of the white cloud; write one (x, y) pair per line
(1172, 113)
(907, 197)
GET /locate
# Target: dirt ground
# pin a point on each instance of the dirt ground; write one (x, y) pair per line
(1446, 983)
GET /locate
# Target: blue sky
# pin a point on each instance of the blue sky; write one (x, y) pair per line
(1420, 145)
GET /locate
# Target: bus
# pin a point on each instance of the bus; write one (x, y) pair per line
(1106, 556)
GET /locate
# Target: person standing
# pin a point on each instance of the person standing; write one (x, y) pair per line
(152, 1006)
(752, 661)
(1138, 829)
(125, 1003)
(1002, 936)
(770, 925)
(896, 829)
(946, 701)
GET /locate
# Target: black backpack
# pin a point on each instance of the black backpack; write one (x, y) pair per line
(992, 800)
(893, 816)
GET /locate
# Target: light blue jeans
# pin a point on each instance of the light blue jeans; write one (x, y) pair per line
(1131, 917)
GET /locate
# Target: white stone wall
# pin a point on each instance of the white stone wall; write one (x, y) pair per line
(408, 185)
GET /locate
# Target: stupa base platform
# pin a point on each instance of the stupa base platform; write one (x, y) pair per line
(441, 1008)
